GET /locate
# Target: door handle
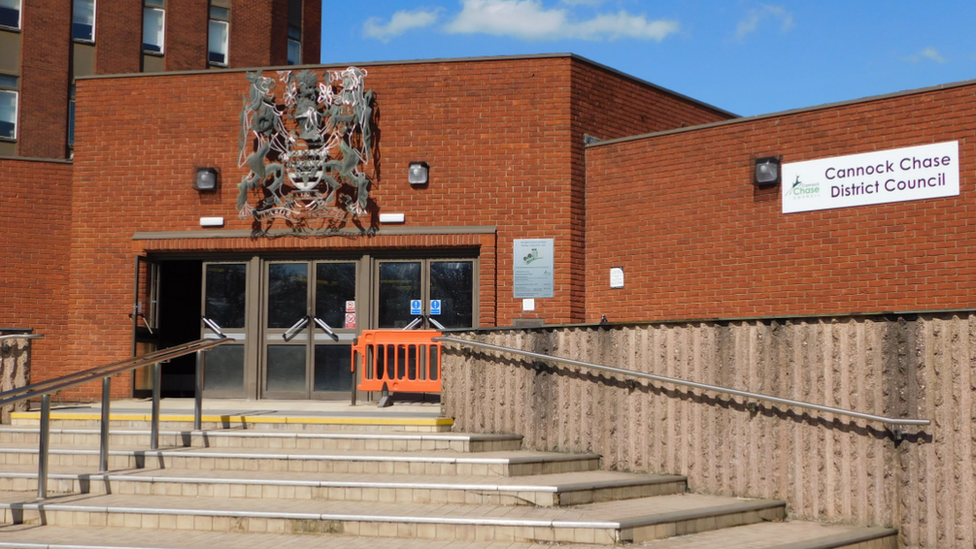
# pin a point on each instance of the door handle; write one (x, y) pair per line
(325, 327)
(214, 326)
(414, 323)
(436, 324)
(290, 333)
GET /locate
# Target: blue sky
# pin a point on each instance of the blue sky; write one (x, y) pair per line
(744, 56)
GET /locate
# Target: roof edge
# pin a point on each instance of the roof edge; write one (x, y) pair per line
(334, 65)
(790, 112)
(556, 55)
(662, 89)
(36, 159)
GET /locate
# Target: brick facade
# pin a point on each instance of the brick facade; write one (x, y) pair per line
(259, 31)
(118, 36)
(500, 136)
(696, 239)
(35, 199)
(45, 80)
(504, 138)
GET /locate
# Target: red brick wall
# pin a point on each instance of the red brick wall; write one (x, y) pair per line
(608, 105)
(496, 134)
(251, 32)
(34, 199)
(312, 33)
(118, 36)
(698, 240)
(187, 27)
(45, 79)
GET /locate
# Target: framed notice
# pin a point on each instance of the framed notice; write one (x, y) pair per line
(533, 268)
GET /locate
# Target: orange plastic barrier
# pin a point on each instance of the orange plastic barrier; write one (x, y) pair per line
(405, 360)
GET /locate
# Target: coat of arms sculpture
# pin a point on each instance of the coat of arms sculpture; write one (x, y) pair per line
(310, 152)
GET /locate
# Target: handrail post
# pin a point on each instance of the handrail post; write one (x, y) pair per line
(154, 428)
(44, 446)
(106, 411)
(198, 392)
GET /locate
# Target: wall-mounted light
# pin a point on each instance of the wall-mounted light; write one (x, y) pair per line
(767, 171)
(418, 173)
(205, 180)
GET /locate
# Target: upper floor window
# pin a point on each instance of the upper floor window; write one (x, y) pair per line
(219, 34)
(10, 13)
(295, 32)
(294, 46)
(83, 20)
(8, 107)
(153, 25)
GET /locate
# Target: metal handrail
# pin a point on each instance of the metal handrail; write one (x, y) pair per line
(21, 336)
(704, 386)
(44, 389)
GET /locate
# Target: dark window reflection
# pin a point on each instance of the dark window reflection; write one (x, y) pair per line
(399, 284)
(224, 369)
(287, 293)
(452, 283)
(332, 368)
(286, 368)
(335, 284)
(225, 293)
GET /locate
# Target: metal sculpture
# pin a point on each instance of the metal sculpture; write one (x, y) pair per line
(309, 152)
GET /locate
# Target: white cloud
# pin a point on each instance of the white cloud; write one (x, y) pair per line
(401, 22)
(529, 20)
(928, 53)
(582, 2)
(756, 16)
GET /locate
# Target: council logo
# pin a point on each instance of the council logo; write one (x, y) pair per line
(798, 189)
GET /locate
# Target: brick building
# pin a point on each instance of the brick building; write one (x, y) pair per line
(536, 189)
(45, 47)
(724, 247)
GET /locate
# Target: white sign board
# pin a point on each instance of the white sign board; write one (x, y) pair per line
(616, 277)
(897, 175)
(533, 268)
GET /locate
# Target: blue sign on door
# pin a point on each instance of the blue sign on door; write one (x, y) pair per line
(415, 307)
(435, 306)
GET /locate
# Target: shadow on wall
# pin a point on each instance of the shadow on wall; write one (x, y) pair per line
(14, 372)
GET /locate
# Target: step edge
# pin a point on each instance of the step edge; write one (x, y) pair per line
(553, 458)
(338, 517)
(710, 511)
(101, 477)
(224, 433)
(297, 420)
(834, 541)
(550, 488)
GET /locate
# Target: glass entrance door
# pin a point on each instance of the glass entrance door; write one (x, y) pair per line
(308, 327)
(225, 303)
(425, 293)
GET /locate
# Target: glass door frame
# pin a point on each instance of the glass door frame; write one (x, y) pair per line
(425, 258)
(249, 333)
(310, 335)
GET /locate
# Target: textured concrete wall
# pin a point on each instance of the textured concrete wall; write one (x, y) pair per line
(15, 366)
(827, 468)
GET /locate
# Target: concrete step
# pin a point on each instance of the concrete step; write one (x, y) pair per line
(540, 490)
(608, 523)
(380, 440)
(258, 420)
(508, 463)
(767, 535)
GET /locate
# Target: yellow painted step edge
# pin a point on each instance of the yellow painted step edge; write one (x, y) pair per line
(245, 419)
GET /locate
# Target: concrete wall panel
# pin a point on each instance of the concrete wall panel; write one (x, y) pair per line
(827, 467)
